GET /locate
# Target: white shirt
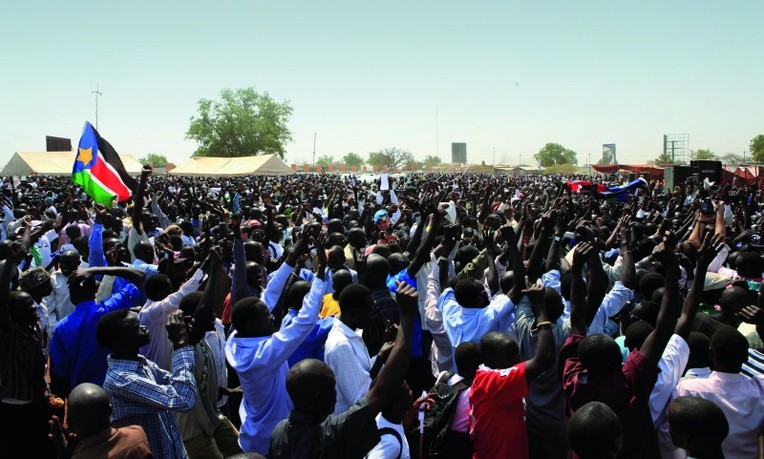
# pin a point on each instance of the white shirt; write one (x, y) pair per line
(389, 447)
(216, 341)
(742, 401)
(672, 365)
(154, 314)
(347, 356)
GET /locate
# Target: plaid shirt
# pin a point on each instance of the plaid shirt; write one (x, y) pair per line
(142, 393)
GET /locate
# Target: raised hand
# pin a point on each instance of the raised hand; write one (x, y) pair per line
(407, 298)
(535, 294)
(582, 253)
(177, 330)
(711, 245)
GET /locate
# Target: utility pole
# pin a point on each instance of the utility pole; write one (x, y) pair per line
(97, 93)
(437, 147)
(314, 149)
(494, 156)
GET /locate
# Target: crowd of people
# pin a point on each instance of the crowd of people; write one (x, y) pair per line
(425, 316)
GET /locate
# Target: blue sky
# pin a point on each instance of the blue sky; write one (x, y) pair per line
(369, 75)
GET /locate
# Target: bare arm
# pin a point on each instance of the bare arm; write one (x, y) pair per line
(544, 358)
(578, 316)
(670, 306)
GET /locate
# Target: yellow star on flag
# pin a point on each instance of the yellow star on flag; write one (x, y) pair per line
(85, 155)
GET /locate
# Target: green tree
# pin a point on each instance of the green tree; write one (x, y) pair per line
(243, 122)
(664, 159)
(704, 153)
(432, 161)
(390, 157)
(325, 160)
(353, 159)
(154, 159)
(554, 153)
(757, 148)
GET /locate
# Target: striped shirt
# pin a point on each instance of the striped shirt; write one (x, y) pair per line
(22, 363)
(755, 364)
(141, 393)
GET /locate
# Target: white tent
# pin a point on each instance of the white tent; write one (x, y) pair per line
(54, 163)
(232, 167)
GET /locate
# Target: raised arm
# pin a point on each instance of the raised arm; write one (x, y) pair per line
(391, 376)
(547, 234)
(544, 358)
(423, 252)
(712, 244)
(138, 199)
(518, 269)
(204, 317)
(670, 306)
(578, 316)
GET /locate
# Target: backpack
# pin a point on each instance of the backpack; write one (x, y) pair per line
(439, 440)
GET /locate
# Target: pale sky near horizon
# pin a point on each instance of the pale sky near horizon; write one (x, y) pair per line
(369, 75)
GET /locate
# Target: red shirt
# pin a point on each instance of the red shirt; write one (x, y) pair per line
(626, 392)
(497, 417)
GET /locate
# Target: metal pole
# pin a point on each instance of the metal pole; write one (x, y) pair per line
(97, 93)
(437, 147)
(494, 156)
(314, 149)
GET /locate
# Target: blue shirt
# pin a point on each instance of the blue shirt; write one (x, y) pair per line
(261, 363)
(74, 350)
(313, 346)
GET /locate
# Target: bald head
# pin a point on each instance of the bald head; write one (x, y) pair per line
(311, 386)
(697, 425)
(595, 432)
(377, 270)
(734, 299)
(89, 409)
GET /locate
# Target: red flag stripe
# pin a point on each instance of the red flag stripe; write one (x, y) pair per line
(110, 179)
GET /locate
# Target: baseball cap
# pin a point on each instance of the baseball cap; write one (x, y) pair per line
(33, 278)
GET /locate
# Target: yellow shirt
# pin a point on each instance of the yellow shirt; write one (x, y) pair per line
(329, 307)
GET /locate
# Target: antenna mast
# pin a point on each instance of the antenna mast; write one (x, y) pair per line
(97, 93)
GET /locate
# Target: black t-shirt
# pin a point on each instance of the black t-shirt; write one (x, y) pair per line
(351, 434)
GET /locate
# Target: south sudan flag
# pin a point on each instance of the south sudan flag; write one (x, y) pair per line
(98, 169)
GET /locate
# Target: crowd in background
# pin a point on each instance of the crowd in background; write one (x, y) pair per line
(423, 315)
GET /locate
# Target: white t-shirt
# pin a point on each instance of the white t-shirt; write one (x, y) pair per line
(389, 447)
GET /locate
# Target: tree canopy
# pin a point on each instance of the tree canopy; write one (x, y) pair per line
(757, 148)
(554, 153)
(432, 161)
(390, 157)
(353, 159)
(243, 122)
(664, 158)
(154, 159)
(325, 160)
(704, 153)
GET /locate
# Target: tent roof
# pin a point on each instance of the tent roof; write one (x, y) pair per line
(231, 167)
(54, 163)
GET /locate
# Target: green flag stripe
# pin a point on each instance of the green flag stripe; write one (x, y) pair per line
(93, 188)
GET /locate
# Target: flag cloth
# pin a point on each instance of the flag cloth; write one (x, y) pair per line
(621, 193)
(98, 169)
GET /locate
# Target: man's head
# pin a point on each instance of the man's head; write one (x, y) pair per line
(36, 282)
(468, 358)
(73, 232)
(594, 432)
(470, 293)
(21, 308)
(357, 238)
(599, 354)
(382, 220)
(296, 294)
(121, 332)
(310, 384)
(636, 334)
(499, 350)
(335, 258)
(729, 350)
(143, 250)
(158, 287)
(69, 262)
(88, 410)
(700, 350)
(254, 251)
(254, 274)
(356, 304)
(697, 425)
(251, 318)
(340, 279)
(553, 304)
(377, 270)
(748, 264)
(733, 300)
